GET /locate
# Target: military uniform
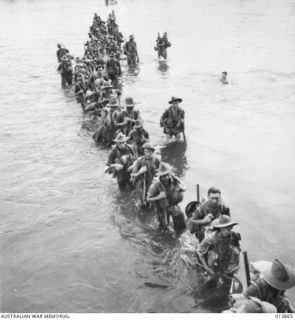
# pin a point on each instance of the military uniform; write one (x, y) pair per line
(113, 68)
(265, 292)
(130, 49)
(172, 120)
(169, 206)
(201, 212)
(116, 156)
(139, 137)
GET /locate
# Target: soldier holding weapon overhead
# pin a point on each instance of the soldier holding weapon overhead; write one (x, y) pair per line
(162, 45)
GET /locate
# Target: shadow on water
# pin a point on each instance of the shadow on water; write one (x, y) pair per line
(174, 154)
(163, 66)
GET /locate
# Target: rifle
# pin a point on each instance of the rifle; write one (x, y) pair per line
(247, 267)
(144, 189)
(183, 133)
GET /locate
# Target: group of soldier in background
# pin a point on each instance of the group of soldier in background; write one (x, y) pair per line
(132, 161)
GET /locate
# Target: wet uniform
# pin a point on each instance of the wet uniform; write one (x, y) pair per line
(131, 51)
(265, 292)
(168, 207)
(139, 137)
(144, 181)
(115, 156)
(172, 120)
(201, 212)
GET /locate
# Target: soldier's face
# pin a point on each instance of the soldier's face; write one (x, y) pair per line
(225, 231)
(175, 104)
(214, 199)
(121, 145)
(165, 178)
(148, 153)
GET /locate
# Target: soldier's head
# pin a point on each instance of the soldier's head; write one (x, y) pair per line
(164, 172)
(175, 101)
(224, 75)
(224, 224)
(129, 103)
(121, 140)
(148, 150)
(214, 196)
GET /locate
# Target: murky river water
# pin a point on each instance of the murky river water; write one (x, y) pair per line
(69, 240)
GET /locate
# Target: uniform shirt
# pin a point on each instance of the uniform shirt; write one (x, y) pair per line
(265, 292)
(202, 211)
(172, 116)
(157, 186)
(221, 245)
(206, 207)
(131, 47)
(139, 137)
(152, 166)
(116, 154)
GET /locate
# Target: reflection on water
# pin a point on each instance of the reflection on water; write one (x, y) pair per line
(71, 240)
(174, 154)
(163, 66)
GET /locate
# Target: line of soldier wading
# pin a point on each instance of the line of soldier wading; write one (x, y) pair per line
(97, 79)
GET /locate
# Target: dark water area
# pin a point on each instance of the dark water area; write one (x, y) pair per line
(70, 241)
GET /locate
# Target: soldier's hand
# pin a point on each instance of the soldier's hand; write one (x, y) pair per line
(143, 170)
(106, 168)
(162, 195)
(207, 219)
(210, 271)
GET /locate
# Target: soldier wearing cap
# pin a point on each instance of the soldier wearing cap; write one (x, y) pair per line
(120, 159)
(113, 68)
(166, 192)
(144, 171)
(219, 251)
(130, 50)
(128, 117)
(277, 277)
(173, 119)
(138, 136)
(206, 212)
